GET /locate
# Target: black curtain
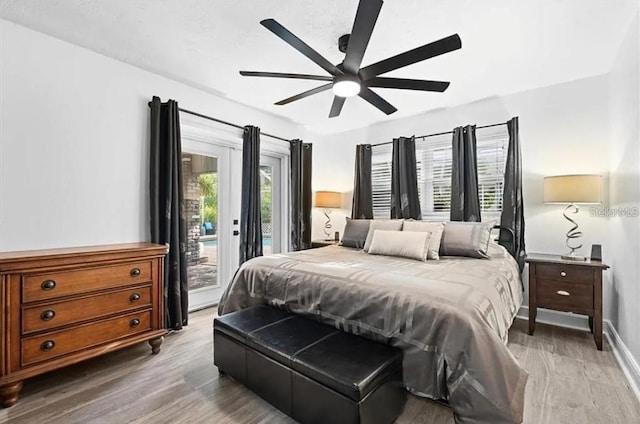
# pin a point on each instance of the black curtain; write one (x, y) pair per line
(405, 202)
(250, 212)
(512, 205)
(465, 201)
(167, 221)
(300, 157)
(362, 206)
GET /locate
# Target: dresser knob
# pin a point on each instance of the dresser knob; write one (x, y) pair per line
(134, 297)
(134, 323)
(48, 285)
(47, 346)
(563, 293)
(47, 315)
(135, 272)
(563, 274)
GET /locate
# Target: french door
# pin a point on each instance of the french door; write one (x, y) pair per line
(212, 177)
(212, 206)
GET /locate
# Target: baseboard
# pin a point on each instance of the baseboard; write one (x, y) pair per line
(622, 354)
(627, 362)
(562, 319)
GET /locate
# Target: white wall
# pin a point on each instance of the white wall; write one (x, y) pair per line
(73, 141)
(624, 191)
(564, 129)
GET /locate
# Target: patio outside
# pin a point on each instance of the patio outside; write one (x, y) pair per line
(201, 206)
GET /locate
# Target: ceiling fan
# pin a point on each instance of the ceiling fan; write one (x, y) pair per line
(348, 79)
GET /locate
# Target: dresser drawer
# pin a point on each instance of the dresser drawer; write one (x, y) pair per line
(53, 315)
(565, 296)
(58, 284)
(52, 345)
(573, 273)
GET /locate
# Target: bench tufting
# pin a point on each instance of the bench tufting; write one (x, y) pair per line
(310, 371)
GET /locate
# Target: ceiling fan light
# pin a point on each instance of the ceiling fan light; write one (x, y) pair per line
(346, 87)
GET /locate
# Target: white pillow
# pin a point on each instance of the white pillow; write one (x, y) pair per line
(407, 244)
(435, 228)
(381, 224)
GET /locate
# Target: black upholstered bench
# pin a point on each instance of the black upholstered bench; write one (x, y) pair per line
(310, 371)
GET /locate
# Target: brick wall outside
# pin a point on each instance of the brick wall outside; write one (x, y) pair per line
(192, 210)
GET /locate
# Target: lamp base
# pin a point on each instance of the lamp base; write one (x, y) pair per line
(573, 258)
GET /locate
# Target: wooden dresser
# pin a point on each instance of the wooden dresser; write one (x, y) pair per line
(568, 286)
(62, 306)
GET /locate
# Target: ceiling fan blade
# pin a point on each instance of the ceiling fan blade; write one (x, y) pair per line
(442, 46)
(282, 75)
(305, 94)
(273, 26)
(366, 17)
(336, 106)
(377, 101)
(408, 84)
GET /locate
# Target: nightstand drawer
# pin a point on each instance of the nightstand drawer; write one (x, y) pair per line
(573, 273)
(565, 296)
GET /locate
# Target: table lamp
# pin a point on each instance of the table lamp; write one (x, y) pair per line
(328, 200)
(573, 189)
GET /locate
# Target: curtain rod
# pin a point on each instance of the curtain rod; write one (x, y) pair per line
(210, 118)
(441, 133)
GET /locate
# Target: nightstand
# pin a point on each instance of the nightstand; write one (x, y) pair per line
(322, 243)
(568, 286)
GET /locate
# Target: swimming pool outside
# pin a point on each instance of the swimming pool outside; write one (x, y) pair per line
(266, 241)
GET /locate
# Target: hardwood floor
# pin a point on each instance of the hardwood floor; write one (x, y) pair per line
(570, 382)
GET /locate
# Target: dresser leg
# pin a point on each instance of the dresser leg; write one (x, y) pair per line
(591, 324)
(156, 344)
(9, 393)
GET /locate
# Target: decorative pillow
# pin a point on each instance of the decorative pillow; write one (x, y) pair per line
(381, 224)
(406, 244)
(355, 233)
(466, 239)
(435, 228)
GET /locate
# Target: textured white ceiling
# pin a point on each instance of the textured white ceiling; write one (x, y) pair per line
(507, 45)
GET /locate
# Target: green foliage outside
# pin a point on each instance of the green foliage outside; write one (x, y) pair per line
(209, 191)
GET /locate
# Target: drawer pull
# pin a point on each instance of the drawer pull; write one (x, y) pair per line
(134, 297)
(563, 293)
(47, 315)
(134, 323)
(135, 272)
(563, 274)
(48, 285)
(47, 346)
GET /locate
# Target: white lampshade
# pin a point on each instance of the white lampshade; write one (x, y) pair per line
(328, 199)
(573, 189)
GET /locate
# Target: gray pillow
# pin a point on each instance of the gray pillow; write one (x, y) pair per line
(355, 233)
(382, 224)
(435, 228)
(466, 239)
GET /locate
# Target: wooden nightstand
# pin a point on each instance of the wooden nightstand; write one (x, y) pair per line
(565, 285)
(322, 243)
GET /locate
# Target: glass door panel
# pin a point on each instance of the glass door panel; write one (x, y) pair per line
(271, 204)
(206, 179)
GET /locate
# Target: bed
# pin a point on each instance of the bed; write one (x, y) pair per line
(450, 317)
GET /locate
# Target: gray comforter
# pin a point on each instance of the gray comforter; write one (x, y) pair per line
(450, 317)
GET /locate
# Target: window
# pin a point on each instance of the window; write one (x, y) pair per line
(433, 161)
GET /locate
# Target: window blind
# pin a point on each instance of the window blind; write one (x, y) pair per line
(433, 161)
